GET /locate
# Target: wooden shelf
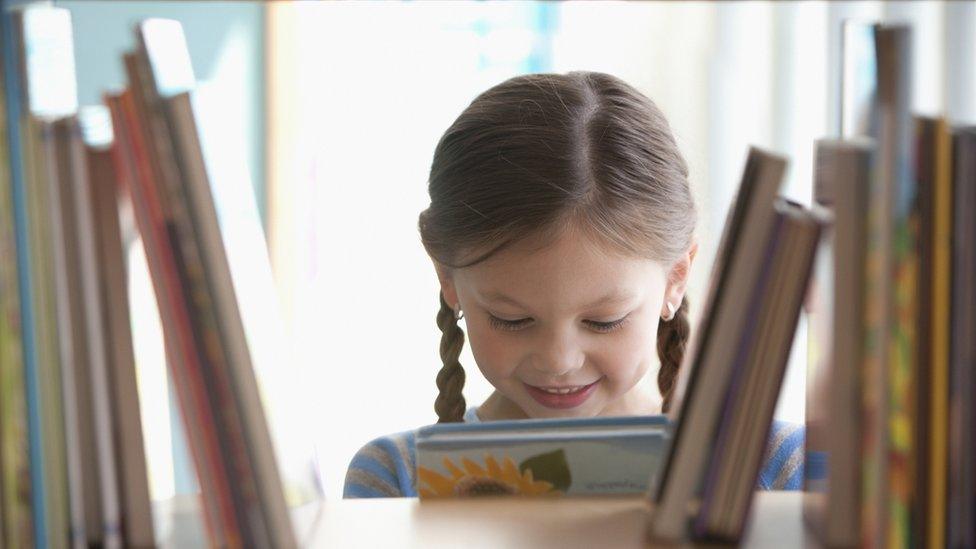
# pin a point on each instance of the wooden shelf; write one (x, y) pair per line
(556, 523)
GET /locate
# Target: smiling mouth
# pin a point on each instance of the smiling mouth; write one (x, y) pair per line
(561, 397)
(562, 390)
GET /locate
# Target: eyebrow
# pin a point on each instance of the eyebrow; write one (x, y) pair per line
(498, 297)
(612, 297)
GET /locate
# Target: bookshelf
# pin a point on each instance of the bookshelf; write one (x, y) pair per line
(159, 164)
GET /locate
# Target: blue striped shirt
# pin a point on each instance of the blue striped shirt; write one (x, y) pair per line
(386, 467)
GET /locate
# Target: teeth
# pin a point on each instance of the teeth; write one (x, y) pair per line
(561, 390)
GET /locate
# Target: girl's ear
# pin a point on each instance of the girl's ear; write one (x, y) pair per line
(446, 279)
(678, 279)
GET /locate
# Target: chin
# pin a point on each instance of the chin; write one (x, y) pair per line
(536, 410)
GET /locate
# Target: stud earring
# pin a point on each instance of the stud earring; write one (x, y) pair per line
(670, 316)
(458, 313)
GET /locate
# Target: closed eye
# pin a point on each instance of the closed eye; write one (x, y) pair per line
(606, 327)
(510, 325)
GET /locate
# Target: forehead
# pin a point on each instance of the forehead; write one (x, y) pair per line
(567, 271)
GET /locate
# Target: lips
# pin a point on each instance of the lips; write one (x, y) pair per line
(563, 396)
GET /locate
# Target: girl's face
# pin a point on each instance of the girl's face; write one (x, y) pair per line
(568, 329)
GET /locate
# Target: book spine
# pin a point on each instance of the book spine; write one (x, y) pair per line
(49, 383)
(894, 77)
(15, 470)
(26, 270)
(924, 135)
(73, 346)
(961, 507)
(941, 311)
(833, 403)
(91, 274)
(844, 404)
(136, 511)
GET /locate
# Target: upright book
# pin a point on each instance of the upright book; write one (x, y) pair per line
(896, 170)
(962, 413)
(15, 467)
(42, 70)
(931, 380)
(131, 475)
(836, 321)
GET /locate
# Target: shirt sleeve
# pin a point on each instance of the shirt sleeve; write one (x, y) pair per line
(383, 468)
(783, 464)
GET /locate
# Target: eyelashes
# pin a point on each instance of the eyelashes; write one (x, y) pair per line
(606, 327)
(508, 325)
(518, 324)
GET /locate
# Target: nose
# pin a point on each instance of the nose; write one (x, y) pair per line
(559, 354)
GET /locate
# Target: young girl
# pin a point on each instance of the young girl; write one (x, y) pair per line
(561, 227)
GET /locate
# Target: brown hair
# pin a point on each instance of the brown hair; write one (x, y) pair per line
(539, 152)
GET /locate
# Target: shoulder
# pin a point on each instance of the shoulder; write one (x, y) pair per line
(783, 463)
(383, 468)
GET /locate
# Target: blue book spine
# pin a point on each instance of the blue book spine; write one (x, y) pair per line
(11, 79)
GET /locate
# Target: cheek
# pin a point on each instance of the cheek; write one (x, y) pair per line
(629, 356)
(496, 353)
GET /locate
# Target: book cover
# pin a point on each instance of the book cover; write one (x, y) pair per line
(541, 457)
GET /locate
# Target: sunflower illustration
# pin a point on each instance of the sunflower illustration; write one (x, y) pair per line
(493, 479)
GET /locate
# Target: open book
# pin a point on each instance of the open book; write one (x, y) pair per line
(536, 457)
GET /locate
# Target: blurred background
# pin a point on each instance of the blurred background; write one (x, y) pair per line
(337, 107)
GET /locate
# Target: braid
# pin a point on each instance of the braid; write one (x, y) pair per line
(672, 337)
(450, 403)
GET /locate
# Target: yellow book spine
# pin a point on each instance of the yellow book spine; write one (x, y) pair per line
(941, 284)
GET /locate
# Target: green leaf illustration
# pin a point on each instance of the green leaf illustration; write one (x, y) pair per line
(550, 467)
